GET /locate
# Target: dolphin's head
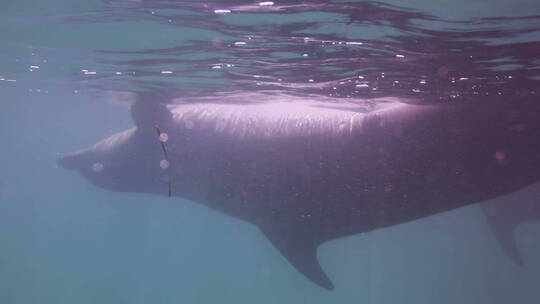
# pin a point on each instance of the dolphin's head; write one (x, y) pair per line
(131, 161)
(134, 160)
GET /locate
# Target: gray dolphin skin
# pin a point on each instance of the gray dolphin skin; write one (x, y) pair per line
(308, 170)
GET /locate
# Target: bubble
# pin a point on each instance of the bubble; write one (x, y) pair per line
(164, 164)
(163, 137)
(97, 167)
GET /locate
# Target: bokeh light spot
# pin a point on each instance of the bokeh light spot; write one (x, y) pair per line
(164, 164)
(97, 167)
(163, 137)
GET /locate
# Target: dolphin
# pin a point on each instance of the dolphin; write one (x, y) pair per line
(309, 169)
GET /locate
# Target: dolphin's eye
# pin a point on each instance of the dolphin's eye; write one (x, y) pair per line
(97, 167)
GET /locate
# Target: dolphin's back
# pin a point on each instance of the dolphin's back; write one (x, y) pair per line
(306, 173)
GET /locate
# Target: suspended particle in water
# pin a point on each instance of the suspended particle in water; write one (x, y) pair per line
(163, 137)
(342, 126)
(500, 157)
(529, 239)
(189, 124)
(442, 71)
(164, 164)
(216, 42)
(97, 167)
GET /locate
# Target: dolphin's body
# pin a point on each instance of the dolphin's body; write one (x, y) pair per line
(308, 171)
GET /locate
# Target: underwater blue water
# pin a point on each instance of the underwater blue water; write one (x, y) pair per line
(64, 240)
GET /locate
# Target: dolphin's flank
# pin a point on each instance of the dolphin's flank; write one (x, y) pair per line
(306, 170)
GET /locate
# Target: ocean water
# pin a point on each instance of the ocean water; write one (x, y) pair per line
(69, 68)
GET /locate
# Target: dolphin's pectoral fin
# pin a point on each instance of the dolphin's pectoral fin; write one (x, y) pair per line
(299, 247)
(504, 216)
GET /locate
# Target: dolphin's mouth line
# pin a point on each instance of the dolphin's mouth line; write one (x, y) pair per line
(164, 163)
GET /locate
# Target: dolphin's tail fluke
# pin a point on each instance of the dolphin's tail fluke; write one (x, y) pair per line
(505, 214)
